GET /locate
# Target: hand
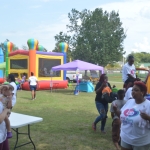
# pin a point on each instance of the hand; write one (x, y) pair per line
(6, 110)
(104, 83)
(138, 79)
(145, 116)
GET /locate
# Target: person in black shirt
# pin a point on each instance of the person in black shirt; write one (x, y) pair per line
(101, 105)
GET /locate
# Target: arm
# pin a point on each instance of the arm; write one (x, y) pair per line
(112, 110)
(145, 116)
(29, 81)
(116, 111)
(99, 89)
(135, 79)
(130, 76)
(3, 115)
(9, 104)
(37, 84)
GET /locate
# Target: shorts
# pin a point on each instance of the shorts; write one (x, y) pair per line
(33, 87)
(116, 130)
(128, 146)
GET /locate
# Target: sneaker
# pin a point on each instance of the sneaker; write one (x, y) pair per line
(94, 126)
(104, 132)
(9, 135)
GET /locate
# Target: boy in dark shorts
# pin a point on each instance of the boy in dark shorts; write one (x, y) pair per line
(116, 120)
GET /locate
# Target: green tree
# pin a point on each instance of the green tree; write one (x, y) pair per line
(14, 47)
(141, 57)
(100, 37)
(25, 47)
(45, 50)
(62, 37)
(96, 36)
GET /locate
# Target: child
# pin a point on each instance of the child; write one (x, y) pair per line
(22, 80)
(106, 90)
(116, 120)
(6, 99)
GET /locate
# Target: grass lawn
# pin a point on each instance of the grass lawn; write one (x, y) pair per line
(67, 121)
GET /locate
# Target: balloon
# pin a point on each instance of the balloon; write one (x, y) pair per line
(63, 47)
(33, 44)
(40, 48)
(8, 46)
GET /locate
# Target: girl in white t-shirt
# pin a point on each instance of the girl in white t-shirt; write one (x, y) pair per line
(22, 80)
(33, 82)
(135, 120)
(11, 80)
(3, 131)
(6, 99)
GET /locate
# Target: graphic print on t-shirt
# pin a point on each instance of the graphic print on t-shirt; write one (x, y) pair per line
(131, 112)
(132, 72)
(128, 116)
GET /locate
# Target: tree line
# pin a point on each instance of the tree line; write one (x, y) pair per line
(94, 36)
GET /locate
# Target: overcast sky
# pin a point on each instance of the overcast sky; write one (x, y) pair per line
(21, 20)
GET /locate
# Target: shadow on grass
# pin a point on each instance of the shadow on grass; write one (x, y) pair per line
(66, 91)
(27, 98)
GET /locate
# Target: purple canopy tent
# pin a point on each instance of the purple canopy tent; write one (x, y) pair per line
(78, 64)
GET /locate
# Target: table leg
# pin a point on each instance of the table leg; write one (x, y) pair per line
(16, 138)
(17, 133)
(30, 136)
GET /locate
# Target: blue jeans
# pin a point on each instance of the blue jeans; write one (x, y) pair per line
(102, 109)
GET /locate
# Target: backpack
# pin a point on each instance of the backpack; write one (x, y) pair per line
(109, 98)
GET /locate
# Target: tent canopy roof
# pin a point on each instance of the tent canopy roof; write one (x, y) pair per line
(78, 64)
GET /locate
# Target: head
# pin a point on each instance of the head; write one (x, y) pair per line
(130, 60)
(121, 94)
(11, 78)
(103, 78)
(139, 90)
(24, 74)
(6, 89)
(32, 74)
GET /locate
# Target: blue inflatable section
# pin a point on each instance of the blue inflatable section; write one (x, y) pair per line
(86, 86)
(1, 61)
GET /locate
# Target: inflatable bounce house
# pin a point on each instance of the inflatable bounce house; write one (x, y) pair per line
(39, 62)
(2, 66)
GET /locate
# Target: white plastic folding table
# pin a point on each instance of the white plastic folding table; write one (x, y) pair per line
(20, 120)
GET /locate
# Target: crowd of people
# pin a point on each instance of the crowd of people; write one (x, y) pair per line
(130, 112)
